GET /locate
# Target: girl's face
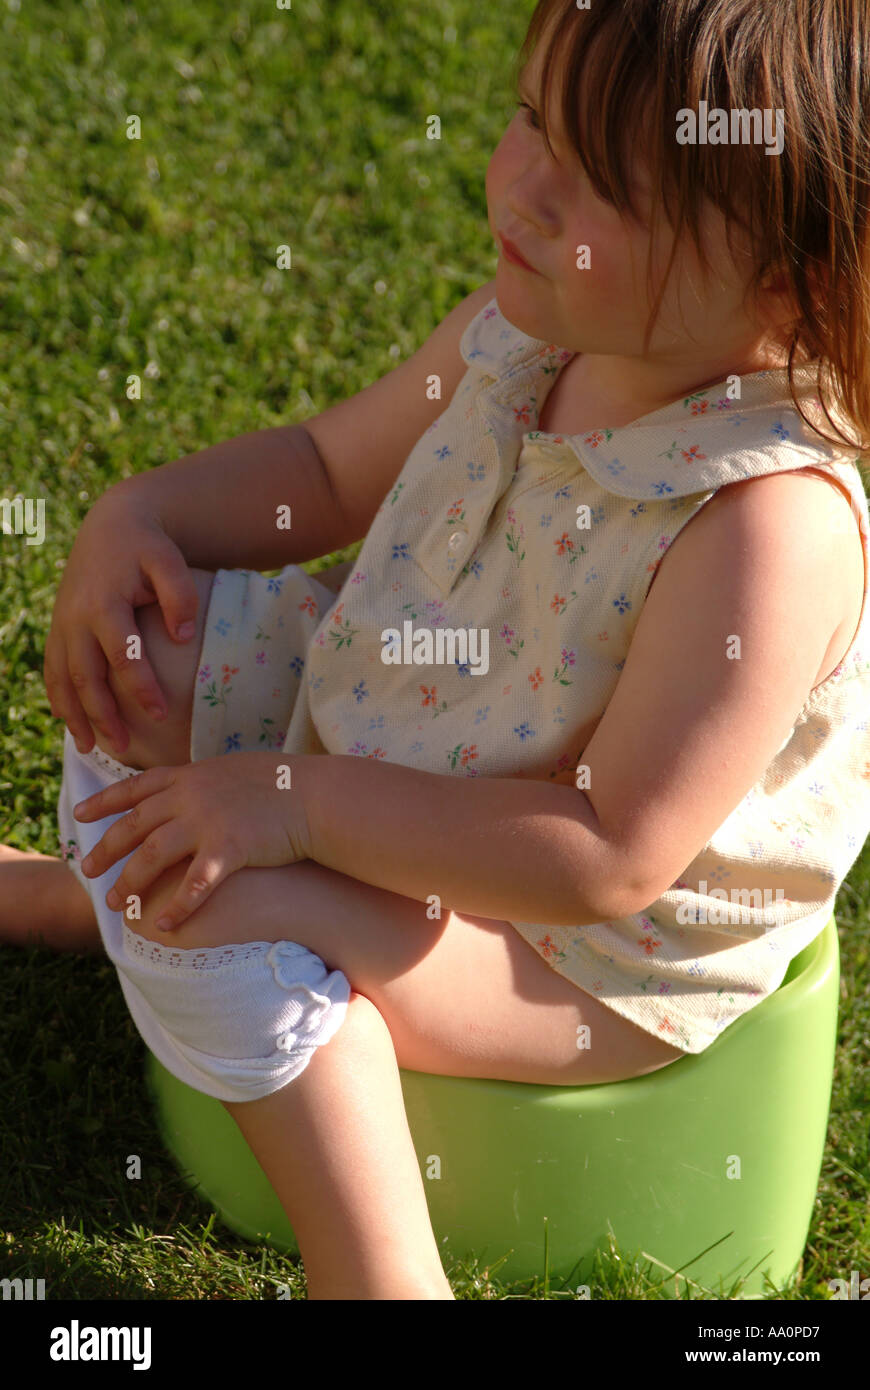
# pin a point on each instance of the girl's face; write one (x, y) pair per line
(548, 208)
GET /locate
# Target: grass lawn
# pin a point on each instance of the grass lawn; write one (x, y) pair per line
(157, 256)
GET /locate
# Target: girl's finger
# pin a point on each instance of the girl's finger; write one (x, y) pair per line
(87, 674)
(114, 629)
(63, 700)
(125, 834)
(164, 847)
(121, 795)
(200, 881)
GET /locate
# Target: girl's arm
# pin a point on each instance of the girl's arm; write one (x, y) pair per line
(508, 848)
(221, 505)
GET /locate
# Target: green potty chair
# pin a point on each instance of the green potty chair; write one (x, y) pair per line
(709, 1166)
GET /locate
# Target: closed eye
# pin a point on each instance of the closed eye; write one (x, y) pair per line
(524, 106)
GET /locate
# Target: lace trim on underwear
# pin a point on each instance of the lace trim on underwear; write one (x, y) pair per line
(205, 958)
(111, 764)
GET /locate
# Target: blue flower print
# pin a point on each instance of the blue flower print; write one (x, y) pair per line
(780, 431)
(476, 472)
(360, 692)
(562, 492)
(662, 488)
(480, 715)
(376, 723)
(222, 626)
(622, 603)
(401, 552)
(547, 520)
(233, 743)
(296, 666)
(274, 585)
(443, 452)
(524, 731)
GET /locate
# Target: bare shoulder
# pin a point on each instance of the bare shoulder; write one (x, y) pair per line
(809, 516)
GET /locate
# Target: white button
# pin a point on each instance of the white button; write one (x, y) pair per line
(455, 540)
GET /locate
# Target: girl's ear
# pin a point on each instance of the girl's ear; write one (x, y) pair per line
(775, 295)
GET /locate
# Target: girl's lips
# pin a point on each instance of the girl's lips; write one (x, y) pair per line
(514, 256)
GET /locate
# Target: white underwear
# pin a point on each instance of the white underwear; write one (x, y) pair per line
(236, 1022)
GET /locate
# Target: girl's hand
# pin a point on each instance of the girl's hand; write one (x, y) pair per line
(121, 560)
(227, 812)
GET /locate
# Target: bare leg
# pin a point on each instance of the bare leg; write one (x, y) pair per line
(336, 1146)
(335, 1141)
(42, 903)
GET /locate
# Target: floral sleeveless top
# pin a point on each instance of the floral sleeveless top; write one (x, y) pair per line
(481, 531)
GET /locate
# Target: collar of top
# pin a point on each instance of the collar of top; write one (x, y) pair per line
(690, 446)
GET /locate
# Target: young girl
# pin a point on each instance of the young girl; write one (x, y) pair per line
(641, 807)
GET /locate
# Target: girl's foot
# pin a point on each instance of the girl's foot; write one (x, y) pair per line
(42, 903)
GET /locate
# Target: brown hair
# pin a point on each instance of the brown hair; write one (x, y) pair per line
(805, 210)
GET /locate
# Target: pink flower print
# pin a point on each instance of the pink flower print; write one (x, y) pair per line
(536, 678)
(693, 455)
(204, 673)
(228, 673)
(522, 414)
(512, 540)
(509, 634)
(490, 313)
(357, 577)
(569, 658)
(309, 606)
(261, 658)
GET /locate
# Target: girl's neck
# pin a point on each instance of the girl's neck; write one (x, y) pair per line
(587, 394)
